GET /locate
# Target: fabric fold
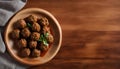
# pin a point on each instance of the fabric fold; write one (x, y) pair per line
(7, 9)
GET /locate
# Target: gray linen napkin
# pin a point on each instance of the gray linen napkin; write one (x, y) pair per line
(7, 9)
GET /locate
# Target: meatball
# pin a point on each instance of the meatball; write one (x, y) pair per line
(45, 29)
(20, 24)
(36, 27)
(36, 53)
(31, 18)
(25, 52)
(22, 43)
(43, 47)
(33, 44)
(15, 34)
(25, 32)
(43, 21)
(50, 38)
(35, 36)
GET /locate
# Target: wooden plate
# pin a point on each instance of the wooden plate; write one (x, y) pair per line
(55, 27)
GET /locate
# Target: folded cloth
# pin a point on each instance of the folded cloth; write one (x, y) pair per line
(7, 62)
(7, 9)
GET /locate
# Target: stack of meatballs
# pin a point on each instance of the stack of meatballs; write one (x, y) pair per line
(32, 36)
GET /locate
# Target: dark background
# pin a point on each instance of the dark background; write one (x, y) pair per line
(91, 33)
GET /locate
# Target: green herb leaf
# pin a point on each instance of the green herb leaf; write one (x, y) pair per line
(29, 25)
(45, 43)
(46, 34)
(43, 39)
(40, 40)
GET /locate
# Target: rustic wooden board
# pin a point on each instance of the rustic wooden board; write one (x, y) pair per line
(91, 33)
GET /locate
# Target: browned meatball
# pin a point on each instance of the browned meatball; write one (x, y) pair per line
(43, 47)
(25, 52)
(45, 29)
(50, 38)
(33, 44)
(36, 53)
(31, 18)
(43, 21)
(25, 32)
(20, 24)
(36, 27)
(35, 36)
(15, 34)
(22, 43)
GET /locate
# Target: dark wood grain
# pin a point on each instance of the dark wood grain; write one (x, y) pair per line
(91, 33)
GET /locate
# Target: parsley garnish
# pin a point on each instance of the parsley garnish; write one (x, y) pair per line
(43, 39)
(29, 25)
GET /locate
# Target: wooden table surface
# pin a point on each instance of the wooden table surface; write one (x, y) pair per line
(91, 33)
